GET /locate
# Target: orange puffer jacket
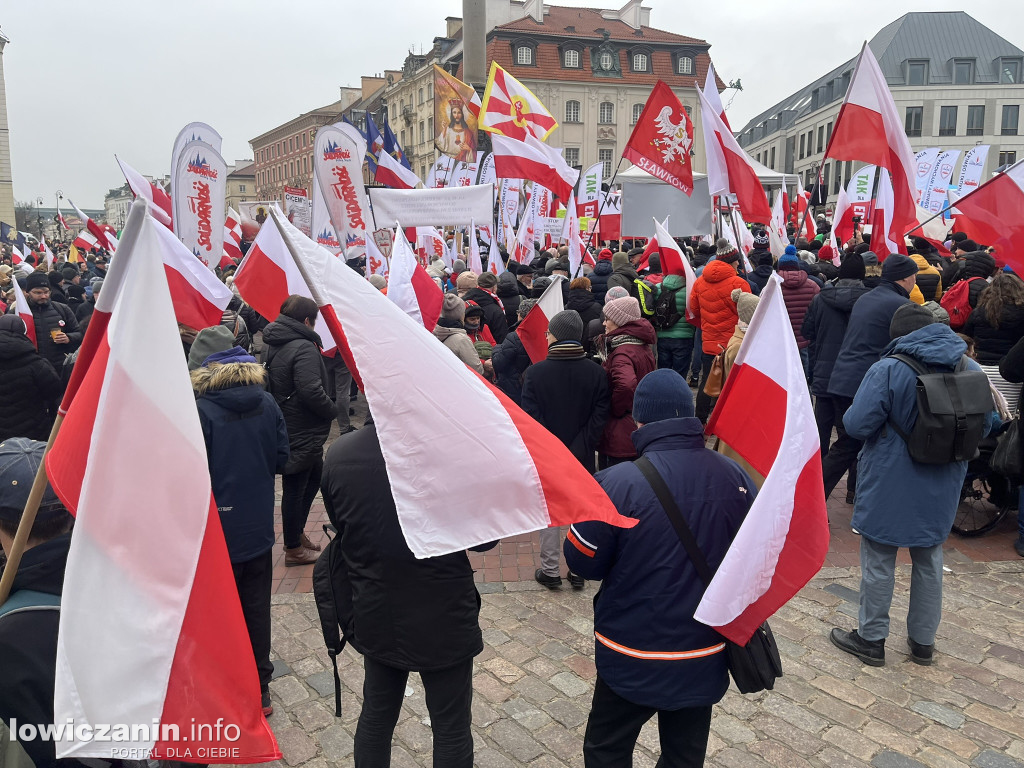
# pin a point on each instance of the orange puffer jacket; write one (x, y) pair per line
(713, 309)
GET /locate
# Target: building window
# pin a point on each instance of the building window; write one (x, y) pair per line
(639, 62)
(572, 111)
(423, 171)
(976, 120)
(430, 128)
(606, 61)
(828, 134)
(838, 182)
(604, 156)
(803, 140)
(423, 132)
(402, 136)
(824, 177)
(304, 166)
(821, 138)
(963, 72)
(430, 91)
(606, 112)
(947, 121)
(524, 55)
(915, 117)
(420, 96)
(637, 111)
(771, 159)
(572, 156)
(1011, 113)
(1007, 158)
(571, 59)
(303, 139)
(291, 145)
(917, 73)
(291, 168)
(241, 188)
(1009, 70)
(684, 66)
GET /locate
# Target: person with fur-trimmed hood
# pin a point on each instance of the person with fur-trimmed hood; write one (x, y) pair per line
(246, 445)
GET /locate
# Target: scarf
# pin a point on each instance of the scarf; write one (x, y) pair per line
(566, 350)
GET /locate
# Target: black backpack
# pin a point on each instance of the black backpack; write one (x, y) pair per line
(952, 408)
(645, 295)
(333, 593)
(666, 313)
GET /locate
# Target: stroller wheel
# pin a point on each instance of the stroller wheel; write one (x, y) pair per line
(984, 502)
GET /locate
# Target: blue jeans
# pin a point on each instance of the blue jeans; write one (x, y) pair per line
(877, 579)
(675, 354)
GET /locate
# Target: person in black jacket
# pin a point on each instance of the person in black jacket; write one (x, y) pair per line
(57, 332)
(483, 296)
(298, 381)
(582, 300)
(599, 277)
(28, 386)
(568, 395)
(1011, 368)
(408, 615)
(509, 359)
(508, 292)
(246, 445)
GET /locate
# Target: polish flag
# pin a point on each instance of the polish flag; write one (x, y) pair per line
(713, 96)
(729, 167)
(86, 240)
(376, 264)
(548, 488)
(98, 232)
(883, 229)
(842, 224)
(802, 213)
(410, 287)
(571, 235)
(392, 173)
(476, 264)
(159, 202)
(510, 109)
(777, 238)
(533, 159)
(24, 311)
(869, 129)
(994, 214)
(150, 604)
(765, 415)
(494, 263)
(233, 235)
(47, 253)
(199, 297)
(533, 327)
(522, 249)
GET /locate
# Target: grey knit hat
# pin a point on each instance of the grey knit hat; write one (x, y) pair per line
(209, 341)
(453, 308)
(566, 326)
(909, 318)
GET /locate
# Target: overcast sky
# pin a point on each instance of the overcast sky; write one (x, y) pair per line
(88, 79)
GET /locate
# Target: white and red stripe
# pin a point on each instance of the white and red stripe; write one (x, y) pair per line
(495, 265)
(24, 311)
(522, 248)
(376, 264)
(533, 159)
(86, 240)
(150, 603)
(673, 260)
(47, 253)
(475, 264)
(159, 202)
(571, 235)
(392, 173)
(784, 537)
(842, 224)
(883, 229)
(509, 108)
(199, 297)
(410, 287)
(233, 235)
(534, 326)
(713, 97)
(994, 214)
(803, 215)
(98, 231)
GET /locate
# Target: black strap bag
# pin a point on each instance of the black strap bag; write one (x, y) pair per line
(755, 666)
(333, 593)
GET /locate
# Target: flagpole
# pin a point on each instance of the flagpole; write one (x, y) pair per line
(961, 199)
(600, 210)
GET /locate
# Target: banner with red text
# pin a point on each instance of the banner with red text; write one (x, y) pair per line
(297, 209)
(200, 181)
(338, 152)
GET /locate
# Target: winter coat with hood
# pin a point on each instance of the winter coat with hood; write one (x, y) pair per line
(246, 445)
(991, 344)
(28, 385)
(763, 270)
(625, 277)
(867, 335)
(977, 264)
(584, 302)
(682, 329)
(454, 336)
(599, 279)
(712, 306)
(52, 315)
(494, 315)
(298, 382)
(825, 326)
(510, 361)
(798, 291)
(929, 279)
(901, 502)
(649, 586)
(406, 613)
(629, 359)
(508, 292)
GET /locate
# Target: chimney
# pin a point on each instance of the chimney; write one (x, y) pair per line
(452, 26)
(474, 42)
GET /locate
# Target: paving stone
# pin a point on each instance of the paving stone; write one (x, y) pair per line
(939, 713)
(566, 712)
(288, 690)
(322, 682)
(296, 746)
(854, 743)
(336, 743)
(889, 738)
(732, 730)
(985, 734)
(949, 739)
(313, 716)
(889, 759)
(490, 587)
(516, 741)
(778, 754)
(495, 637)
(845, 593)
(493, 690)
(490, 758)
(992, 759)
(535, 690)
(281, 669)
(569, 684)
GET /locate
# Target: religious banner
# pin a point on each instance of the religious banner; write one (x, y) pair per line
(454, 206)
(338, 168)
(297, 209)
(199, 209)
(253, 214)
(455, 118)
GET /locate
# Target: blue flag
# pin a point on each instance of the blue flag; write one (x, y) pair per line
(12, 236)
(374, 142)
(392, 147)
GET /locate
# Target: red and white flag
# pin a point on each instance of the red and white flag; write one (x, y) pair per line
(765, 415)
(534, 326)
(86, 240)
(662, 138)
(410, 287)
(886, 237)
(510, 109)
(159, 202)
(548, 488)
(494, 263)
(376, 264)
(531, 158)
(476, 264)
(233, 235)
(673, 260)
(869, 128)
(522, 249)
(199, 297)
(842, 224)
(47, 253)
(392, 173)
(729, 167)
(994, 214)
(98, 231)
(713, 96)
(150, 604)
(24, 311)
(571, 235)
(803, 215)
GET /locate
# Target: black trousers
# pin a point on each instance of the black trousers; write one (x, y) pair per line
(298, 489)
(449, 695)
(704, 404)
(615, 723)
(842, 455)
(253, 580)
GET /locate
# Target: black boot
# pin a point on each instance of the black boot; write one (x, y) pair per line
(921, 654)
(871, 652)
(551, 582)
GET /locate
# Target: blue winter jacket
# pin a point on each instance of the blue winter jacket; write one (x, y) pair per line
(867, 335)
(900, 502)
(650, 588)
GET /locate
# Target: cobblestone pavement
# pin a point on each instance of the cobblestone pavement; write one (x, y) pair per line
(534, 681)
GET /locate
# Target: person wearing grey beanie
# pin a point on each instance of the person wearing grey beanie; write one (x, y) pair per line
(909, 318)
(451, 332)
(567, 325)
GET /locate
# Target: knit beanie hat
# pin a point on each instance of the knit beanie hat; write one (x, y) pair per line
(20, 458)
(852, 268)
(453, 308)
(465, 281)
(622, 311)
(654, 264)
(938, 312)
(662, 394)
(725, 251)
(909, 318)
(615, 292)
(458, 266)
(897, 267)
(55, 278)
(605, 254)
(789, 261)
(760, 239)
(12, 324)
(620, 259)
(790, 250)
(487, 280)
(70, 273)
(746, 303)
(208, 341)
(566, 326)
(378, 281)
(869, 257)
(36, 280)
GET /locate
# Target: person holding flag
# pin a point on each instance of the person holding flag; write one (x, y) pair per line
(28, 385)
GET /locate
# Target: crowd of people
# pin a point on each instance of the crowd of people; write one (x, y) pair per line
(634, 367)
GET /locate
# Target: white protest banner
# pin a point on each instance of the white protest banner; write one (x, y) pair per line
(338, 152)
(192, 132)
(199, 212)
(860, 192)
(453, 206)
(440, 172)
(296, 208)
(511, 190)
(320, 224)
(972, 169)
(588, 200)
(925, 164)
(933, 197)
(464, 174)
(486, 174)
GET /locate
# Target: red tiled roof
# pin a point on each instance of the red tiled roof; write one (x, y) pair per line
(586, 23)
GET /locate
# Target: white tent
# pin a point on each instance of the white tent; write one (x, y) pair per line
(765, 175)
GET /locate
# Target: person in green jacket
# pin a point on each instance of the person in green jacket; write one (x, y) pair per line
(675, 335)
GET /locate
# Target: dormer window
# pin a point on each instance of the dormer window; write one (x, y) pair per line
(524, 55)
(640, 62)
(571, 58)
(963, 72)
(684, 65)
(917, 73)
(1009, 70)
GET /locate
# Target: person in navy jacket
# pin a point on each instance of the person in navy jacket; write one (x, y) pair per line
(652, 656)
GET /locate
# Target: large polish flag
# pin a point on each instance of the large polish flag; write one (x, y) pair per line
(994, 214)
(883, 228)
(199, 298)
(151, 631)
(534, 326)
(713, 96)
(510, 109)
(673, 260)
(233, 235)
(548, 487)
(533, 159)
(765, 415)
(159, 202)
(842, 223)
(494, 263)
(803, 214)
(24, 311)
(410, 287)
(103, 237)
(392, 173)
(729, 167)
(85, 240)
(522, 248)
(869, 128)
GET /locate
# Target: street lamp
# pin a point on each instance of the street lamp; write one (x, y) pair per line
(56, 216)
(39, 217)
